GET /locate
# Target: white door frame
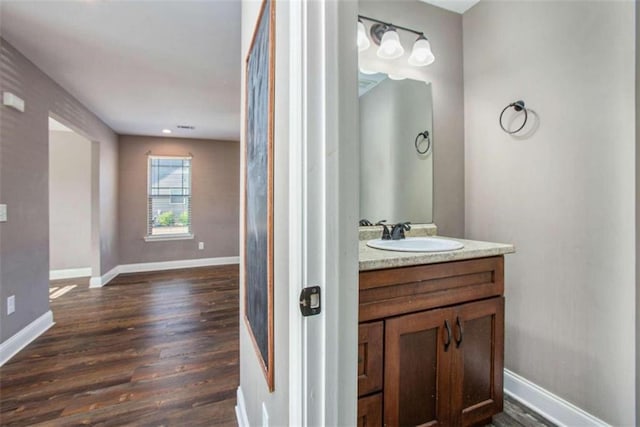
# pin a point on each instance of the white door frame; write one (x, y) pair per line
(323, 210)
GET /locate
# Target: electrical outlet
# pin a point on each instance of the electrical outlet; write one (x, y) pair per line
(3, 213)
(201, 245)
(11, 304)
(265, 416)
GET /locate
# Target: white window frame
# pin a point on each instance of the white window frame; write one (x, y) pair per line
(178, 236)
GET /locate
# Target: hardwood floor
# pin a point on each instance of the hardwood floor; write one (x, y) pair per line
(148, 349)
(518, 415)
(155, 349)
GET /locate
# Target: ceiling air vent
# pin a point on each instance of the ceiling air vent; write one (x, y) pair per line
(188, 127)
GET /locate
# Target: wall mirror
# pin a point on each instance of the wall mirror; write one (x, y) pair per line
(396, 149)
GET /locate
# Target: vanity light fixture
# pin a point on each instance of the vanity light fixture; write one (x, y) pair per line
(363, 40)
(385, 35)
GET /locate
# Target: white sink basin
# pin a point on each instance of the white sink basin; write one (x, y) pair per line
(416, 244)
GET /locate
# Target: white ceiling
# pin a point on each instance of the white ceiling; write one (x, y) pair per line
(459, 6)
(141, 66)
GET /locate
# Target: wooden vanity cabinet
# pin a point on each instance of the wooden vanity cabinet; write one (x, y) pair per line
(442, 363)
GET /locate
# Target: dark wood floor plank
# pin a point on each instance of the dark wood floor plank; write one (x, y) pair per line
(158, 348)
(517, 415)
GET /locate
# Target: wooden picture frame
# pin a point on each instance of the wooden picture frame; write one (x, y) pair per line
(258, 190)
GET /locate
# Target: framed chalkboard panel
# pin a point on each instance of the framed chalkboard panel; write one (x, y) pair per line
(258, 226)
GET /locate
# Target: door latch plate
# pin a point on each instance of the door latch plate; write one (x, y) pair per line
(310, 304)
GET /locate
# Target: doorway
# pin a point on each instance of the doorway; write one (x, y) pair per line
(70, 203)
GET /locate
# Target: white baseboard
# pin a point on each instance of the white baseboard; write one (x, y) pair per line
(100, 281)
(547, 404)
(69, 273)
(173, 265)
(241, 410)
(26, 335)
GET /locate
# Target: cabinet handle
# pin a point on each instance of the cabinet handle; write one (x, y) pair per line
(459, 325)
(448, 341)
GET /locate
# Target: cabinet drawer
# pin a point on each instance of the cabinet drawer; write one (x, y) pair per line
(370, 411)
(395, 291)
(370, 350)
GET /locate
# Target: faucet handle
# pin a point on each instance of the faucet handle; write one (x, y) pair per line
(385, 230)
(406, 226)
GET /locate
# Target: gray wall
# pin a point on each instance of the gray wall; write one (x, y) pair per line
(24, 187)
(69, 201)
(565, 195)
(444, 30)
(215, 208)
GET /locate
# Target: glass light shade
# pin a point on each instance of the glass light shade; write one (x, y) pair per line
(390, 47)
(363, 40)
(393, 76)
(421, 54)
(365, 71)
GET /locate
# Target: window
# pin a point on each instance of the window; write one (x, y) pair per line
(169, 198)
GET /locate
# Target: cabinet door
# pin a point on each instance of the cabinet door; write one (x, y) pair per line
(417, 368)
(370, 411)
(370, 357)
(478, 361)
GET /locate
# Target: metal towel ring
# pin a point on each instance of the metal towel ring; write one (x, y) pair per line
(518, 106)
(424, 135)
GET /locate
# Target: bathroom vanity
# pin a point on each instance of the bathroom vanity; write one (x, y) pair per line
(431, 324)
(431, 336)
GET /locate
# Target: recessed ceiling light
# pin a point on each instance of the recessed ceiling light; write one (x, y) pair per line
(166, 131)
